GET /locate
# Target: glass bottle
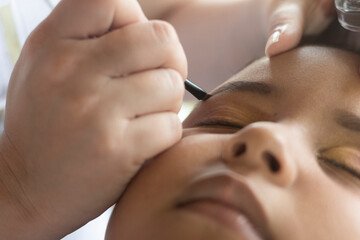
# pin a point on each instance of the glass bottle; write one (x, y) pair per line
(349, 14)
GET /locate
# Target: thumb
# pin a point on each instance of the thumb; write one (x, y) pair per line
(285, 28)
(87, 18)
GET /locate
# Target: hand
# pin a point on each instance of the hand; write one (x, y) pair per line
(289, 20)
(94, 93)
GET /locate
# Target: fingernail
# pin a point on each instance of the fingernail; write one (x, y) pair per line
(274, 38)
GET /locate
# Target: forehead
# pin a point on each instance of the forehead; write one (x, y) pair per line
(306, 68)
(309, 87)
(308, 75)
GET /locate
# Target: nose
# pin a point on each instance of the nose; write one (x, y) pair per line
(262, 148)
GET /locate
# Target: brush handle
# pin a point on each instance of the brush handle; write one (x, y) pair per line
(195, 90)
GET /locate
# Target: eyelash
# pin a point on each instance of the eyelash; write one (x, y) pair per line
(219, 123)
(343, 167)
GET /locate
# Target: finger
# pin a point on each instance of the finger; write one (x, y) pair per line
(82, 19)
(150, 135)
(319, 17)
(286, 28)
(139, 47)
(146, 92)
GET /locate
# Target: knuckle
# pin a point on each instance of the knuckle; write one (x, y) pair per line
(62, 61)
(176, 87)
(181, 62)
(35, 41)
(163, 31)
(55, 62)
(111, 143)
(137, 15)
(176, 59)
(61, 66)
(173, 123)
(118, 43)
(176, 80)
(32, 44)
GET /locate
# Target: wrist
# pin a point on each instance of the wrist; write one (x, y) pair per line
(19, 218)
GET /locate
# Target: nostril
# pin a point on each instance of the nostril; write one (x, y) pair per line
(272, 162)
(239, 149)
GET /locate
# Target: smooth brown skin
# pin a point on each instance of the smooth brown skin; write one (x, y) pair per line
(308, 199)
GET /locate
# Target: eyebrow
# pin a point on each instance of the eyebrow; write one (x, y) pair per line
(259, 88)
(348, 120)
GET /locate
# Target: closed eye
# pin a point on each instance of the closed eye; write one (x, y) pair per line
(341, 166)
(219, 123)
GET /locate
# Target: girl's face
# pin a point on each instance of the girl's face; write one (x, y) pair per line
(273, 155)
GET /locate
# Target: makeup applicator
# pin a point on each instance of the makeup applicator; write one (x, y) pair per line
(196, 91)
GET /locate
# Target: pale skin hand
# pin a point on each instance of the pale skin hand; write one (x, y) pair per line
(222, 36)
(289, 20)
(94, 93)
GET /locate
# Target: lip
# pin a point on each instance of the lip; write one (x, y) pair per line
(226, 198)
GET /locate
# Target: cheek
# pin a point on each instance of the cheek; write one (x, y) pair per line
(315, 207)
(152, 195)
(325, 210)
(336, 209)
(149, 194)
